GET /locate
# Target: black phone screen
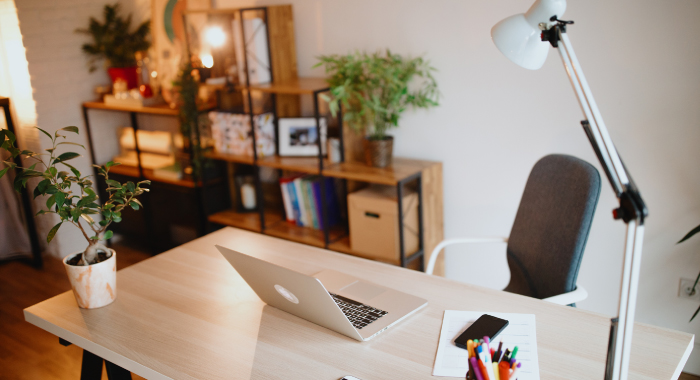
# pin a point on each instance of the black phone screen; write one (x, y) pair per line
(486, 325)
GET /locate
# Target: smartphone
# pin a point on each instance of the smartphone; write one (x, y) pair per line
(486, 325)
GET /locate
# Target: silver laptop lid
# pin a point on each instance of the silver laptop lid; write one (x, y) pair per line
(293, 292)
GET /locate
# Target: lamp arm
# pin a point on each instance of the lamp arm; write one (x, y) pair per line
(632, 209)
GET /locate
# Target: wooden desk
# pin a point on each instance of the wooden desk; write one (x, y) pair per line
(186, 314)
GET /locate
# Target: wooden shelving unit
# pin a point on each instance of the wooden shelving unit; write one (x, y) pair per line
(285, 91)
(159, 224)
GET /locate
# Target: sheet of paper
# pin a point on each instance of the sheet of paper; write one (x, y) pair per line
(452, 361)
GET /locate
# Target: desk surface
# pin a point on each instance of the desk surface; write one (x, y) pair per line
(187, 314)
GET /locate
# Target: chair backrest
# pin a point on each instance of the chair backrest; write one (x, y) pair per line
(546, 244)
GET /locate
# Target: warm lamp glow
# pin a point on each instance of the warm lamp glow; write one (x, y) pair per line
(215, 36)
(207, 60)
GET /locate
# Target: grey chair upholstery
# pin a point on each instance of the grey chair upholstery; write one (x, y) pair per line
(549, 234)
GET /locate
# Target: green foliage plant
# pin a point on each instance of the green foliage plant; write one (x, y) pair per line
(187, 87)
(375, 89)
(686, 237)
(112, 39)
(71, 195)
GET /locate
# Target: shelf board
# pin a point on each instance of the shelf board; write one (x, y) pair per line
(230, 157)
(305, 235)
(161, 109)
(400, 169)
(300, 86)
(247, 221)
(133, 171)
(343, 246)
(298, 164)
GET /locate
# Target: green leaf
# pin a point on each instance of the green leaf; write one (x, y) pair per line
(65, 157)
(116, 219)
(104, 222)
(114, 183)
(52, 233)
(3, 171)
(75, 213)
(46, 133)
(53, 171)
(70, 129)
(108, 235)
(686, 237)
(130, 186)
(60, 198)
(74, 170)
(70, 143)
(87, 218)
(51, 201)
(135, 204)
(40, 189)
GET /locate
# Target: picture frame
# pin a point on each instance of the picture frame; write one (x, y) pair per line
(298, 136)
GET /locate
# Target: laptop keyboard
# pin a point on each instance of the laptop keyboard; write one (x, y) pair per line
(359, 314)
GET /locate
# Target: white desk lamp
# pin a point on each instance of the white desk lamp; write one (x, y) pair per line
(525, 40)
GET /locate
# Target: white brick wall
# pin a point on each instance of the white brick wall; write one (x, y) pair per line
(61, 81)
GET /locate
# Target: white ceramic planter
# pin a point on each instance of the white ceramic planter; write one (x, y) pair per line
(93, 285)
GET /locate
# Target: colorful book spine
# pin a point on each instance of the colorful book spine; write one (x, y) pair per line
(310, 202)
(295, 203)
(316, 190)
(303, 216)
(288, 208)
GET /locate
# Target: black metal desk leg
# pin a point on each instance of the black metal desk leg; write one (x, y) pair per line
(115, 372)
(92, 366)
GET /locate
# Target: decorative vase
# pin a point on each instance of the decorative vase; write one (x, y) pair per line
(93, 285)
(129, 74)
(378, 152)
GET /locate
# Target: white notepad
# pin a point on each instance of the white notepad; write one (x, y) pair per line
(452, 361)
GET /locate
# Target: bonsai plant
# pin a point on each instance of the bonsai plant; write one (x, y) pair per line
(374, 90)
(70, 196)
(113, 41)
(693, 290)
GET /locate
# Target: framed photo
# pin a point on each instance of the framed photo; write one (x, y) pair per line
(299, 136)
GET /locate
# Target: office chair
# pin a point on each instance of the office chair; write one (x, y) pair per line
(546, 243)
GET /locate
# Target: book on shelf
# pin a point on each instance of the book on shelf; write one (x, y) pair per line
(287, 198)
(303, 198)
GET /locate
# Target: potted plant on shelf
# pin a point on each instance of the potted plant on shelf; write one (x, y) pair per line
(374, 90)
(113, 41)
(92, 273)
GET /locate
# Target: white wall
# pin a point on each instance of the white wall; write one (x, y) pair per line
(495, 119)
(61, 82)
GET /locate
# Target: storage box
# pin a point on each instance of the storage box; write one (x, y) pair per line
(374, 223)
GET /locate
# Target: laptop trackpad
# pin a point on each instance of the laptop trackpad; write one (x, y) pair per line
(362, 291)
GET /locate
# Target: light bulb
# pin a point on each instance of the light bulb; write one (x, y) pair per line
(215, 36)
(207, 60)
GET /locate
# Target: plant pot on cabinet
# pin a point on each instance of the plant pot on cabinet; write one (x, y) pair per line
(129, 74)
(378, 152)
(93, 285)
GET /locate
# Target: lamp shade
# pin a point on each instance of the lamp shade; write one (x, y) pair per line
(518, 36)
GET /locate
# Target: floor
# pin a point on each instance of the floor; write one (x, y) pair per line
(26, 351)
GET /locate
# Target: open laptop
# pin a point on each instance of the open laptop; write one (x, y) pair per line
(334, 300)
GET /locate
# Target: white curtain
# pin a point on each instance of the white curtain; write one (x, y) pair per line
(13, 231)
(14, 84)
